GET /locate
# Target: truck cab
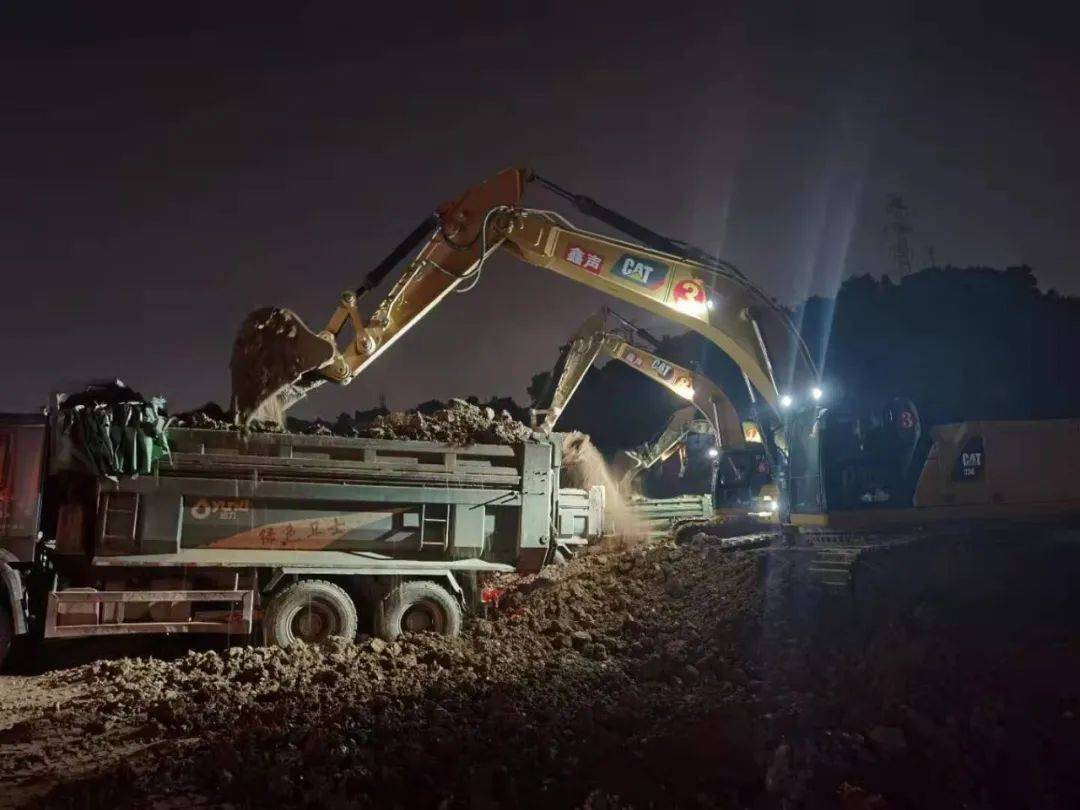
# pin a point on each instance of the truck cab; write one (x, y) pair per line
(23, 444)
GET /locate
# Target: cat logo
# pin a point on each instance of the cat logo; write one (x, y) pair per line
(643, 272)
(971, 461)
(662, 369)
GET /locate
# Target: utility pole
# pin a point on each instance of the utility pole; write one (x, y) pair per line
(899, 230)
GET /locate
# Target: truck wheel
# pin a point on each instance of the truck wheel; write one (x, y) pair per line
(419, 606)
(7, 632)
(311, 611)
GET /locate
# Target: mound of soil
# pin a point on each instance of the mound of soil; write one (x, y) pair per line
(678, 675)
(459, 423)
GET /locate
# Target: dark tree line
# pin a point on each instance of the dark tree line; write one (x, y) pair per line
(963, 343)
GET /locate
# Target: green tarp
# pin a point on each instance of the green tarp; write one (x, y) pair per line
(114, 436)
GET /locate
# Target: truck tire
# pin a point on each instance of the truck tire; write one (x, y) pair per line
(7, 631)
(418, 606)
(311, 611)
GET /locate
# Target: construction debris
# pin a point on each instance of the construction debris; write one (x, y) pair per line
(459, 423)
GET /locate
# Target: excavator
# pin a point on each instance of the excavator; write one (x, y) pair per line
(840, 470)
(277, 360)
(741, 483)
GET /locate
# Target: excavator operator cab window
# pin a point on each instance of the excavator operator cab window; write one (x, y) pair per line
(865, 463)
(740, 474)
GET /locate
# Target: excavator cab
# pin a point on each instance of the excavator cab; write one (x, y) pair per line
(740, 476)
(842, 461)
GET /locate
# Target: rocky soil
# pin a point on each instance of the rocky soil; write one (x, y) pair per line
(459, 423)
(675, 675)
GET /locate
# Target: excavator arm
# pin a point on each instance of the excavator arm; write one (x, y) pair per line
(628, 464)
(593, 339)
(277, 360)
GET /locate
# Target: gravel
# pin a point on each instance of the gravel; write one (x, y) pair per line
(459, 423)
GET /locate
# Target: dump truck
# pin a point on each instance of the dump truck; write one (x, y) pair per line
(271, 536)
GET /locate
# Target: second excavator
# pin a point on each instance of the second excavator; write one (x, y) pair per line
(741, 482)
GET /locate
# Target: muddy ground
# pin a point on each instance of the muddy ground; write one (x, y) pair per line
(943, 674)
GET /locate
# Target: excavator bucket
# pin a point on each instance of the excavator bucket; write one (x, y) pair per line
(273, 350)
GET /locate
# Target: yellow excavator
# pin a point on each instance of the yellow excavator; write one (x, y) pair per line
(741, 483)
(277, 360)
(839, 470)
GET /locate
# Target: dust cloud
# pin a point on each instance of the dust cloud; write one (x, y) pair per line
(583, 466)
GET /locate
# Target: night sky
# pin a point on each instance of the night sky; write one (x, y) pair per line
(162, 176)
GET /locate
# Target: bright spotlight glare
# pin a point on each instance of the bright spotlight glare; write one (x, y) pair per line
(713, 452)
(691, 307)
(816, 393)
(786, 401)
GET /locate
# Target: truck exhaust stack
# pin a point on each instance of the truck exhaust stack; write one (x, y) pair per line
(273, 351)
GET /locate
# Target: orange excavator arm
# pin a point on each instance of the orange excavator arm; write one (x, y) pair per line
(277, 360)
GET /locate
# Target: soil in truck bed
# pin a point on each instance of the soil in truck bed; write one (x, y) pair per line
(460, 422)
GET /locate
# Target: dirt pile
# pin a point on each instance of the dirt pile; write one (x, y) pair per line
(669, 676)
(459, 423)
(583, 663)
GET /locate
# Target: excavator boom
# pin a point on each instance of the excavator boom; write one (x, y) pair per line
(593, 339)
(277, 360)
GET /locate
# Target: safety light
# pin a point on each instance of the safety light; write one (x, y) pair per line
(786, 401)
(685, 391)
(816, 393)
(692, 306)
(713, 452)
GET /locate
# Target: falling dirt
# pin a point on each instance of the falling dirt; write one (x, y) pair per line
(273, 348)
(584, 466)
(672, 675)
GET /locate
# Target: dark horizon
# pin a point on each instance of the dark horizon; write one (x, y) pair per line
(166, 176)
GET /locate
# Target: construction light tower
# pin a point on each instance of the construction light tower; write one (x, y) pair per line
(899, 229)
